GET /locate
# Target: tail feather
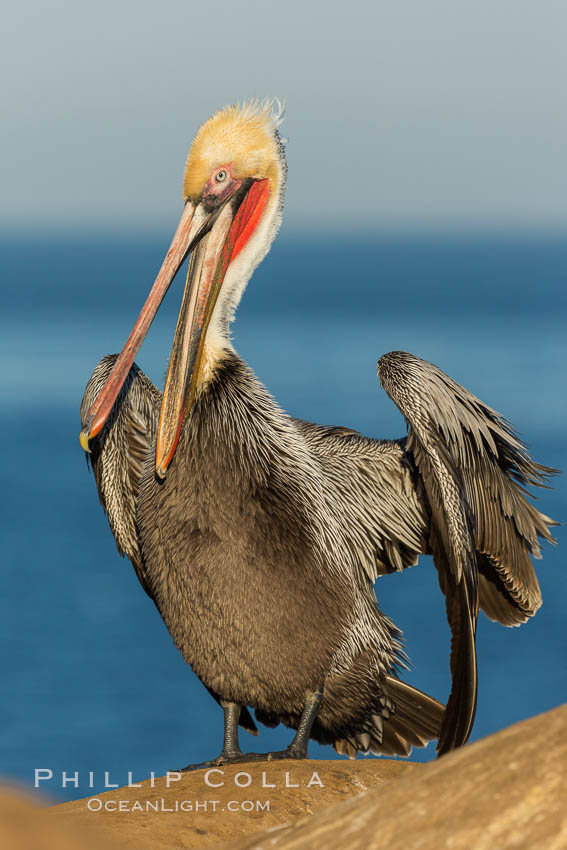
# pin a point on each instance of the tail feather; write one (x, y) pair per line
(393, 744)
(408, 719)
(420, 712)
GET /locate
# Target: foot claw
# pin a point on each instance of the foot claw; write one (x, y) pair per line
(224, 758)
(239, 758)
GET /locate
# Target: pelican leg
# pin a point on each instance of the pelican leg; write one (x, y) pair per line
(230, 748)
(298, 747)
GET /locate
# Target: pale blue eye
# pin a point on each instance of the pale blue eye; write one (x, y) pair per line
(221, 176)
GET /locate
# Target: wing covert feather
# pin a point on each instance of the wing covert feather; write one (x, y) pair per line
(387, 521)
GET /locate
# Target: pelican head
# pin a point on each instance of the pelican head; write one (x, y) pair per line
(233, 190)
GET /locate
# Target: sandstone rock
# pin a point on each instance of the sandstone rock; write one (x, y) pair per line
(507, 791)
(26, 826)
(217, 825)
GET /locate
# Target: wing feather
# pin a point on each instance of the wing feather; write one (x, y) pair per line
(483, 530)
(493, 466)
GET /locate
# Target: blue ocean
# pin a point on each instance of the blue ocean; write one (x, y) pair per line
(91, 680)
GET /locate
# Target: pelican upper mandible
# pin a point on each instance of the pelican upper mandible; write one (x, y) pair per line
(259, 536)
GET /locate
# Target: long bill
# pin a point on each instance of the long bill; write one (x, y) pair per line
(190, 229)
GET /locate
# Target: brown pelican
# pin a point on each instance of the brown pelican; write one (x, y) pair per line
(259, 536)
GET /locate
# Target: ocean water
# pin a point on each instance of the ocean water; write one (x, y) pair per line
(91, 680)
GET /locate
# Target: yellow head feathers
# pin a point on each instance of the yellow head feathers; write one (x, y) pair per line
(243, 136)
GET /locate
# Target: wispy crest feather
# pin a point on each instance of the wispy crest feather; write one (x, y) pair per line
(272, 108)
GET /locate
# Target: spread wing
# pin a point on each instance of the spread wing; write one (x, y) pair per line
(483, 529)
(453, 488)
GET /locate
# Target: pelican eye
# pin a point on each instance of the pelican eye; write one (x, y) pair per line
(221, 176)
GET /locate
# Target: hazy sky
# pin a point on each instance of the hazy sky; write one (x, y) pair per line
(422, 112)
